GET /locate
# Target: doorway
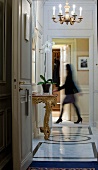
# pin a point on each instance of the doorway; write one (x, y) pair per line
(79, 54)
(56, 78)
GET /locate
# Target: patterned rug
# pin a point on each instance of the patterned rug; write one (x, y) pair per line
(61, 168)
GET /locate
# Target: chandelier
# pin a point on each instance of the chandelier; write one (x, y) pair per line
(67, 18)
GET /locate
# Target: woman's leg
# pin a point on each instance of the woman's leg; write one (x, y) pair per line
(60, 117)
(61, 114)
(77, 110)
(78, 113)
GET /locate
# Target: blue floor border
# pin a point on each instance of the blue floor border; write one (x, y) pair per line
(63, 164)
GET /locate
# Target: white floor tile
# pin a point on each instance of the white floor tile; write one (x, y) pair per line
(67, 142)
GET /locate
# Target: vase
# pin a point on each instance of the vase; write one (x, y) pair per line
(46, 88)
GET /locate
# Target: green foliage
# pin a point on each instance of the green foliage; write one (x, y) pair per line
(49, 81)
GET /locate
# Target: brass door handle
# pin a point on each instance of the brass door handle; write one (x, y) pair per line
(27, 102)
(20, 88)
(22, 82)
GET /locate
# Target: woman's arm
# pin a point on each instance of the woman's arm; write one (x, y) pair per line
(55, 90)
(59, 88)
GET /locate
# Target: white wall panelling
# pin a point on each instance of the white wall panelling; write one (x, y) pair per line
(83, 103)
(38, 110)
(96, 107)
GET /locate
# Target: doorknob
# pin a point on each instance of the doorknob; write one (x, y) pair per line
(22, 82)
(20, 88)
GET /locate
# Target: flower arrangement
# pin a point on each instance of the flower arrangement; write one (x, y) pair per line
(49, 81)
(45, 84)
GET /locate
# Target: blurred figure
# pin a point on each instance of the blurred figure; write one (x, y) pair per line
(56, 70)
(70, 90)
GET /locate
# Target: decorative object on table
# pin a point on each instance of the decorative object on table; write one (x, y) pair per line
(45, 84)
(67, 18)
(83, 63)
(46, 48)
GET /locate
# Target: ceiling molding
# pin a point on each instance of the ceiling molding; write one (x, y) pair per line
(70, 1)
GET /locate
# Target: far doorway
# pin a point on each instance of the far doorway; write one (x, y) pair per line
(61, 55)
(73, 51)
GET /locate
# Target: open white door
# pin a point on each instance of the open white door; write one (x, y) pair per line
(64, 59)
(22, 83)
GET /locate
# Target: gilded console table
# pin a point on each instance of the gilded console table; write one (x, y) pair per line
(49, 100)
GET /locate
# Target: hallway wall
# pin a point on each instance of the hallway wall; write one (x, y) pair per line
(37, 110)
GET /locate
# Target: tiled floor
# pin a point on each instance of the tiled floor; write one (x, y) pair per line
(67, 142)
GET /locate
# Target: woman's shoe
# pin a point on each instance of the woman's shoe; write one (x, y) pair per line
(59, 120)
(78, 121)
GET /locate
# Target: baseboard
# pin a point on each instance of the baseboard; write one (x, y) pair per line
(5, 161)
(27, 161)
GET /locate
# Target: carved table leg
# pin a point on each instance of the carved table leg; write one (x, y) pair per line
(46, 120)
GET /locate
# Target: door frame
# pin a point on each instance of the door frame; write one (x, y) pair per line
(72, 43)
(91, 72)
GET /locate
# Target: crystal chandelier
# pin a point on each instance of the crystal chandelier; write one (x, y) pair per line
(67, 18)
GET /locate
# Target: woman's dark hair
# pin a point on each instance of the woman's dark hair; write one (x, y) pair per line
(69, 71)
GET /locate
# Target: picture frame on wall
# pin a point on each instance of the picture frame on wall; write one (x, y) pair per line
(83, 63)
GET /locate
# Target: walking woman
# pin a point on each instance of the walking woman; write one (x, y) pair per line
(70, 90)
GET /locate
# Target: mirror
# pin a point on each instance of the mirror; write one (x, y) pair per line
(2, 39)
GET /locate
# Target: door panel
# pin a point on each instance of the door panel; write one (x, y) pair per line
(26, 128)
(8, 126)
(55, 57)
(25, 60)
(2, 134)
(64, 59)
(5, 83)
(22, 86)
